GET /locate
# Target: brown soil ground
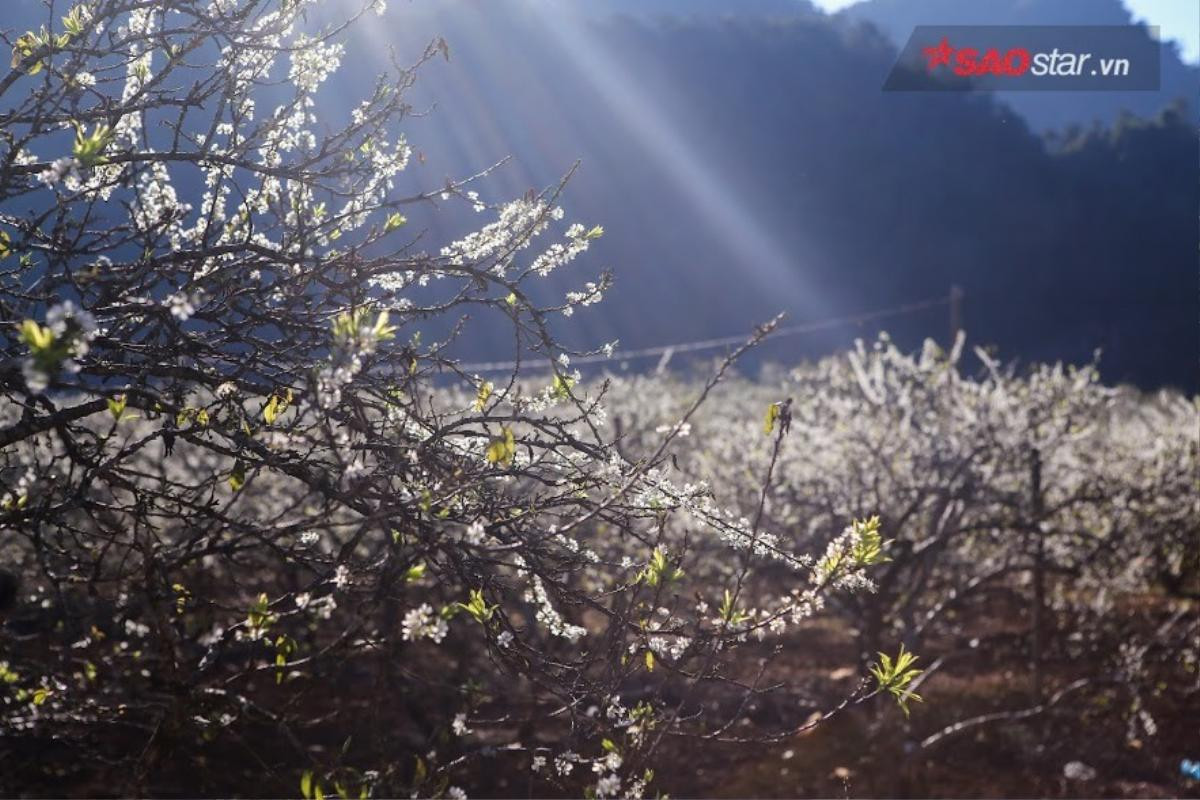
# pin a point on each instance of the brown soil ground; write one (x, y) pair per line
(869, 750)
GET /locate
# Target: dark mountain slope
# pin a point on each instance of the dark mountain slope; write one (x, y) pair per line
(743, 166)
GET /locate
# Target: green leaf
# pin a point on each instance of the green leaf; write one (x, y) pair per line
(116, 406)
(420, 772)
(394, 221)
(483, 395)
(561, 388)
(38, 338)
(28, 43)
(350, 326)
(271, 410)
(75, 21)
(190, 414)
(868, 543)
(659, 569)
(729, 611)
(259, 615)
(89, 148)
(182, 595)
(306, 784)
(237, 478)
(769, 421)
(502, 449)
(477, 607)
(276, 405)
(895, 676)
(285, 647)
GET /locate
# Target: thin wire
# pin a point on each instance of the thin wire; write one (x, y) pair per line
(711, 344)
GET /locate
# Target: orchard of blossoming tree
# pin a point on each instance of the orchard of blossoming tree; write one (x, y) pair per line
(259, 536)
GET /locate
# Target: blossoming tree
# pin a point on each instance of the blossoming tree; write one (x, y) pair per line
(1042, 526)
(258, 522)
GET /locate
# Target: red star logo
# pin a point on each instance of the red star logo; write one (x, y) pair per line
(940, 54)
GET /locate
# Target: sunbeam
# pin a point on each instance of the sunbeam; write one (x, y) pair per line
(766, 262)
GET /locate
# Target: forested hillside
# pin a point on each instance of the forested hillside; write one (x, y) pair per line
(756, 158)
(747, 153)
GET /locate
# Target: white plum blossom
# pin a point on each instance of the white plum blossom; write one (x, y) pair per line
(422, 623)
(558, 254)
(608, 786)
(682, 430)
(68, 325)
(324, 607)
(341, 576)
(158, 207)
(313, 61)
(181, 305)
(517, 222)
(591, 294)
(610, 762)
(548, 616)
(66, 317)
(673, 646)
(61, 169)
(354, 470)
(475, 533)
(135, 628)
(1078, 771)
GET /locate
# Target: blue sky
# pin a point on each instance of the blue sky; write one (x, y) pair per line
(1176, 19)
